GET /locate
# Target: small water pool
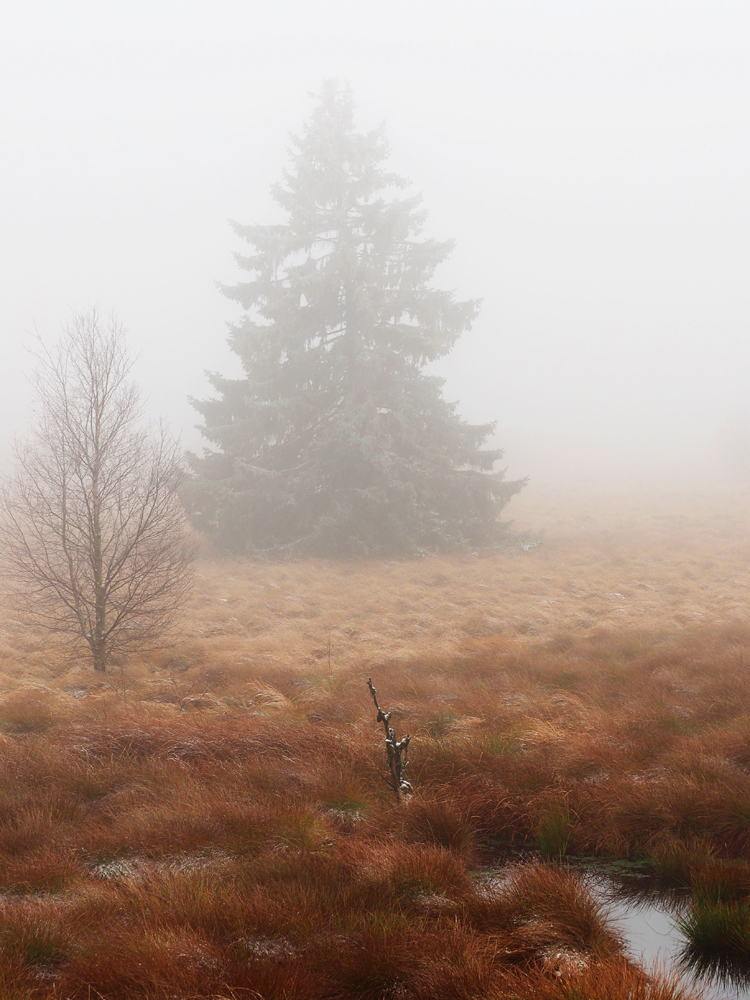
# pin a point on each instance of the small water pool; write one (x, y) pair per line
(646, 910)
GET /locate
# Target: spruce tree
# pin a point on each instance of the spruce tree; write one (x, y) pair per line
(336, 442)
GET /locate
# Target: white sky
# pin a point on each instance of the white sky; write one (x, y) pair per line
(592, 160)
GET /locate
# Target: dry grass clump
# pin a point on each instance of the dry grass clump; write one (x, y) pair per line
(441, 821)
(612, 980)
(547, 908)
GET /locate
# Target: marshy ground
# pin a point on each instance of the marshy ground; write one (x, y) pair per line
(211, 821)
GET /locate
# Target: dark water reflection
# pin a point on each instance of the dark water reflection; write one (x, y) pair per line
(647, 911)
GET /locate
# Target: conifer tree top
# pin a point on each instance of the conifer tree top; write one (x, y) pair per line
(336, 440)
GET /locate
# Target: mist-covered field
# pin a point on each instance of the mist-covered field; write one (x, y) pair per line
(214, 819)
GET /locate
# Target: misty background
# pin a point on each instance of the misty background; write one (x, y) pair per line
(591, 160)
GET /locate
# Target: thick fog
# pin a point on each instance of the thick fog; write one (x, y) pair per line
(591, 160)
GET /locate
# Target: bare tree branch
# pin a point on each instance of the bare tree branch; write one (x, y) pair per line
(91, 526)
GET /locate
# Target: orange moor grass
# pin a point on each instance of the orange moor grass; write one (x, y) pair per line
(215, 823)
(148, 856)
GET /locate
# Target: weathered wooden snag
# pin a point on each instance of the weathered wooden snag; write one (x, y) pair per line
(397, 751)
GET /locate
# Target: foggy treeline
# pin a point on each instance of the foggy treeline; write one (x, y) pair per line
(589, 161)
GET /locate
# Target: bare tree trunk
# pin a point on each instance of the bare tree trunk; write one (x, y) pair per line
(100, 657)
(100, 603)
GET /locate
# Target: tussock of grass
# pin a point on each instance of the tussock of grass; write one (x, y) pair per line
(718, 939)
(713, 926)
(554, 830)
(431, 819)
(612, 980)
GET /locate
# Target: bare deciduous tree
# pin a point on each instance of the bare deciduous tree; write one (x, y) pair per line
(92, 527)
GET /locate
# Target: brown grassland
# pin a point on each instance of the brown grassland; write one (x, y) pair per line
(212, 821)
